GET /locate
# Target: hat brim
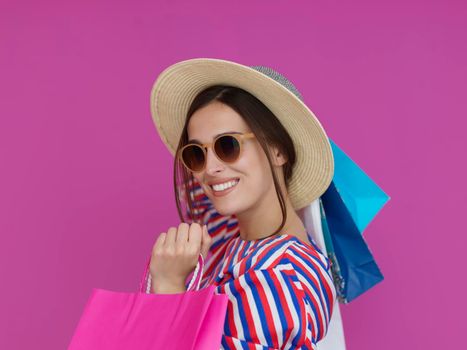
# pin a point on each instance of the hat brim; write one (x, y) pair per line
(176, 87)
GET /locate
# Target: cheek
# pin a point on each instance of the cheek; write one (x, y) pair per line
(256, 172)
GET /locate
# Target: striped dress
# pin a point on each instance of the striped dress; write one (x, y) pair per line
(280, 289)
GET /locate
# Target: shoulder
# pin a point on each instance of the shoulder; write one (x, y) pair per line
(288, 251)
(306, 255)
(312, 276)
(311, 268)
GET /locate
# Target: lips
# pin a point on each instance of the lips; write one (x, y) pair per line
(221, 181)
(225, 191)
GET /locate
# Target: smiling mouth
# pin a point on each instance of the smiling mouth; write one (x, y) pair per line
(224, 188)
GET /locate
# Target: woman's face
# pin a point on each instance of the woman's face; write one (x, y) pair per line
(251, 169)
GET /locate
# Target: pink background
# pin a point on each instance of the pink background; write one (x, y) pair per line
(86, 183)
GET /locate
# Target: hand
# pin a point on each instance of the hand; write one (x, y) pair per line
(175, 255)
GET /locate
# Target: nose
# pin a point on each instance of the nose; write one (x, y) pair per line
(213, 165)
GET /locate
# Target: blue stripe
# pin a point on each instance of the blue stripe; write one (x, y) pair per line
(213, 228)
(277, 301)
(296, 304)
(241, 308)
(319, 273)
(304, 251)
(276, 243)
(259, 305)
(317, 290)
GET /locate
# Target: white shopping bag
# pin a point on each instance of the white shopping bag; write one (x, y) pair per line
(334, 338)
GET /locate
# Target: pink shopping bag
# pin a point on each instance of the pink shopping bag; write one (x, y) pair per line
(116, 320)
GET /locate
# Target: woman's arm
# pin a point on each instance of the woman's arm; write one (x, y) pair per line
(312, 274)
(288, 306)
(265, 310)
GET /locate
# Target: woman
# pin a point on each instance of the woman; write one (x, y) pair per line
(248, 155)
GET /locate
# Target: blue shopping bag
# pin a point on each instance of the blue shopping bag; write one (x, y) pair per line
(361, 196)
(356, 270)
(347, 207)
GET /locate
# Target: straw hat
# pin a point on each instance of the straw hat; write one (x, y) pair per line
(177, 86)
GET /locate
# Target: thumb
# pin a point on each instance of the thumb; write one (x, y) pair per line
(206, 242)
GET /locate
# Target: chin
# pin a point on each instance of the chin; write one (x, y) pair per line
(226, 212)
(224, 209)
(226, 205)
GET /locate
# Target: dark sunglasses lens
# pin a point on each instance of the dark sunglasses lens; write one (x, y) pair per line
(227, 148)
(193, 156)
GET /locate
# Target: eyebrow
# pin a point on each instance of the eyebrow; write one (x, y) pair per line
(227, 132)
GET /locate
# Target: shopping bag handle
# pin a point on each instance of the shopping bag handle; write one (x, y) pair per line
(194, 284)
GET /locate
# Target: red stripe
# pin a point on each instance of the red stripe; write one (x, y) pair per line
(322, 278)
(246, 309)
(314, 330)
(303, 311)
(265, 304)
(301, 302)
(283, 304)
(219, 229)
(229, 341)
(230, 312)
(232, 253)
(241, 253)
(252, 346)
(310, 295)
(262, 255)
(319, 268)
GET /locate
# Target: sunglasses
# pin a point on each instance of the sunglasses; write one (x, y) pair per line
(227, 148)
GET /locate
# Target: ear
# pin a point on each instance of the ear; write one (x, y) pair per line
(277, 158)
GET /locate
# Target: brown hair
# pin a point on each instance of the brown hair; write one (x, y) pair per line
(263, 123)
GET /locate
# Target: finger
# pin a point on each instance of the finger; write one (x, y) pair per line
(182, 234)
(170, 238)
(205, 242)
(194, 238)
(159, 242)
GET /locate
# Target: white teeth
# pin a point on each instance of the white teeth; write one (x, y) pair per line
(224, 186)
